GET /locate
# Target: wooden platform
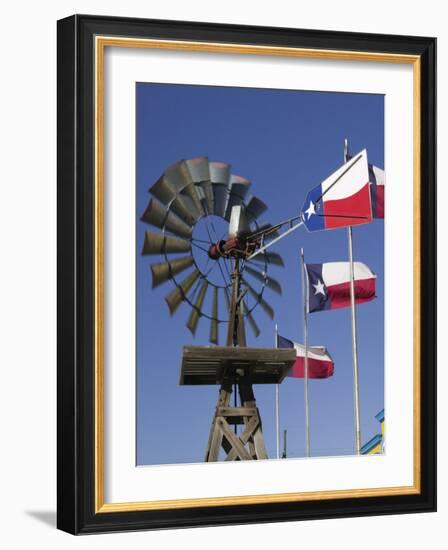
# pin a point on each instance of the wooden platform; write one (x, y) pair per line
(205, 365)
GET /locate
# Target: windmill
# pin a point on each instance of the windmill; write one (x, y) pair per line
(222, 277)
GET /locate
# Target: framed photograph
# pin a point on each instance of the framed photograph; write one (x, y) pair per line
(246, 274)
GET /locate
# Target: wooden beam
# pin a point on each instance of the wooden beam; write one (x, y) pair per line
(245, 436)
(260, 449)
(235, 441)
(215, 437)
(237, 411)
(215, 445)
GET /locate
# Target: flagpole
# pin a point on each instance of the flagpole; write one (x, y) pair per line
(277, 401)
(284, 455)
(354, 332)
(305, 339)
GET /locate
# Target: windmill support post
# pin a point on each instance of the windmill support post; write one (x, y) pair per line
(236, 368)
(249, 444)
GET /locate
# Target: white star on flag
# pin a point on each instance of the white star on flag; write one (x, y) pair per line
(319, 288)
(311, 210)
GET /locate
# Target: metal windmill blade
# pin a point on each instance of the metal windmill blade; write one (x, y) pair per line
(239, 224)
(180, 178)
(163, 191)
(270, 258)
(158, 216)
(179, 293)
(262, 277)
(255, 208)
(238, 189)
(252, 323)
(214, 336)
(196, 312)
(164, 271)
(200, 174)
(227, 298)
(158, 243)
(260, 300)
(220, 177)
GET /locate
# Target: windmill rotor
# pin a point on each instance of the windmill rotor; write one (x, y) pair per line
(191, 204)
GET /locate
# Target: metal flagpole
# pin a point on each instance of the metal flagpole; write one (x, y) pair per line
(354, 335)
(305, 338)
(277, 402)
(284, 455)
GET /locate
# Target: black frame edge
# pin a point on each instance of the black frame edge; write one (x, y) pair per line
(75, 277)
(428, 296)
(67, 491)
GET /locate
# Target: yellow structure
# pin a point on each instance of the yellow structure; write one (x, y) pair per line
(376, 445)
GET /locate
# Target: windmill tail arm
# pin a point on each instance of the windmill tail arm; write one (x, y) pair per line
(274, 241)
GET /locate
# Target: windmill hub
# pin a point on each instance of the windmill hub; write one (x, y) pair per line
(207, 231)
(234, 247)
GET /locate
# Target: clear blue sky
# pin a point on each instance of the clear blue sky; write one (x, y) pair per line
(285, 142)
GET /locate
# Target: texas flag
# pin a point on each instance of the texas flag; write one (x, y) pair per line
(342, 199)
(320, 363)
(376, 180)
(329, 285)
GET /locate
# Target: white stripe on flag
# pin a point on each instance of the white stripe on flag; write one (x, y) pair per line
(356, 177)
(335, 273)
(314, 352)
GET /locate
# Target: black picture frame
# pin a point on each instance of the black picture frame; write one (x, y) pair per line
(76, 479)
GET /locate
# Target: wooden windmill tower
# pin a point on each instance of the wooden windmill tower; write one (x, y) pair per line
(191, 193)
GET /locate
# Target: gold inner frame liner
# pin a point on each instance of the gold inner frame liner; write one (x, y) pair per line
(101, 42)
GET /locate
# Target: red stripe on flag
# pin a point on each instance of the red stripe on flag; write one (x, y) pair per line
(340, 294)
(337, 212)
(379, 201)
(316, 368)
